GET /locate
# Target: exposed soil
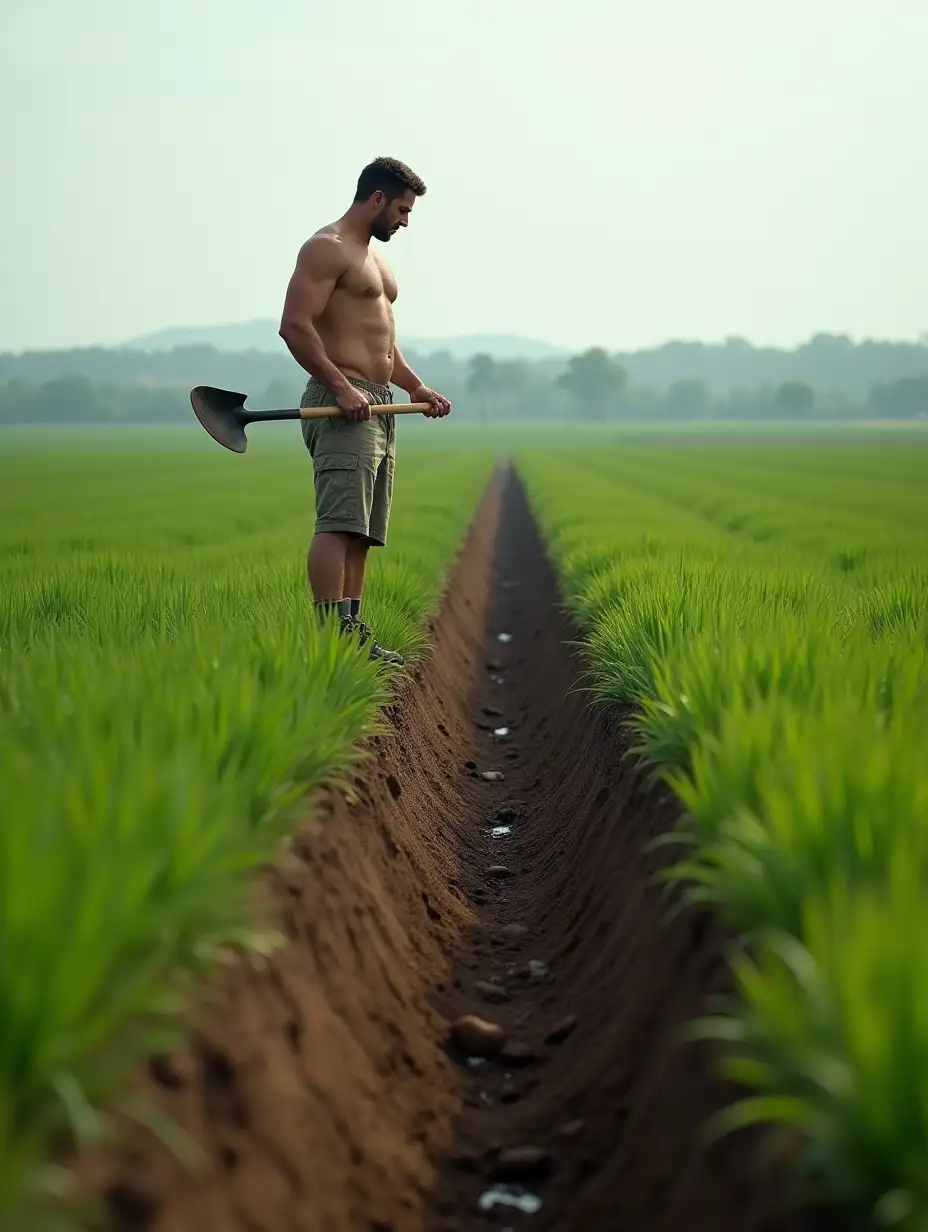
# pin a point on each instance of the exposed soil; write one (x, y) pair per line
(322, 1087)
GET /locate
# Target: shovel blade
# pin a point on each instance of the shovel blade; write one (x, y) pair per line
(222, 413)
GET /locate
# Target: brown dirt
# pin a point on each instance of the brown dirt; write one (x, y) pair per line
(320, 1086)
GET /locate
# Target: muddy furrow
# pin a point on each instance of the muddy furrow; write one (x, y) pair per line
(592, 1116)
(323, 1088)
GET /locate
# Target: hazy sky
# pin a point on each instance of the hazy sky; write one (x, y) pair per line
(599, 171)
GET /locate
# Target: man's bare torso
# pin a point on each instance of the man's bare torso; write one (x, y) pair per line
(357, 327)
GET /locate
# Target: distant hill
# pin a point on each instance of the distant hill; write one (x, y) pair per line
(262, 336)
(238, 337)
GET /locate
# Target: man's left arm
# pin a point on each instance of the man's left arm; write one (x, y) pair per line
(418, 391)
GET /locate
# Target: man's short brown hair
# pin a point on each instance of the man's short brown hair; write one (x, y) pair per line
(389, 176)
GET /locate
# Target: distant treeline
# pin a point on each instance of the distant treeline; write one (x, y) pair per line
(76, 399)
(827, 361)
(829, 377)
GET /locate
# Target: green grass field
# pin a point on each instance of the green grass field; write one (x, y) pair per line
(766, 613)
(165, 702)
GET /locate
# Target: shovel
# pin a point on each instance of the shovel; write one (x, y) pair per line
(222, 413)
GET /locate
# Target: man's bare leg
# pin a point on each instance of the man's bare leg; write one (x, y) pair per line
(355, 566)
(325, 566)
(336, 565)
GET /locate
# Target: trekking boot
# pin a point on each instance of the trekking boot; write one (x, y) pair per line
(366, 635)
(347, 625)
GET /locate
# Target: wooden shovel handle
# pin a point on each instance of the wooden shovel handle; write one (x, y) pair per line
(390, 408)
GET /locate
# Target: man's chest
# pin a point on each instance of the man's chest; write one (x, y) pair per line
(369, 279)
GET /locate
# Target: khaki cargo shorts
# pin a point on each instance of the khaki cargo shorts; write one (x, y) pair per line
(353, 464)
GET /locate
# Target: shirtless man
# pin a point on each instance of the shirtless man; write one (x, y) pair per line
(338, 325)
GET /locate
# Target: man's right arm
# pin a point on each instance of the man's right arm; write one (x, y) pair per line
(320, 264)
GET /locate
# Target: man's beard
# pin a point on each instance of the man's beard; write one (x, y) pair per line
(381, 229)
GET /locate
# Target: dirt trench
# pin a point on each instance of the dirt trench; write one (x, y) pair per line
(321, 1088)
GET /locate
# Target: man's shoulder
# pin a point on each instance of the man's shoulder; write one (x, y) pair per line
(325, 250)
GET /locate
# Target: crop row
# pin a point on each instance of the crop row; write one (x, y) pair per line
(765, 613)
(166, 701)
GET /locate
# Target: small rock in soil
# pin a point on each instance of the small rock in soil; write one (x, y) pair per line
(492, 776)
(477, 1037)
(492, 712)
(523, 1163)
(132, 1207)
(494, 993)
(170, 1072)
(499, 871)
(514, 932)
(573, 1129)
(519, 1054)
(537, 969)
(566, 1027)
(470, 765)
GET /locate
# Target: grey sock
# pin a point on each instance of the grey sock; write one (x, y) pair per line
(324, 610)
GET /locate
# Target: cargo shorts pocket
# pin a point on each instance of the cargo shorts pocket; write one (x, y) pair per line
(339, 488)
